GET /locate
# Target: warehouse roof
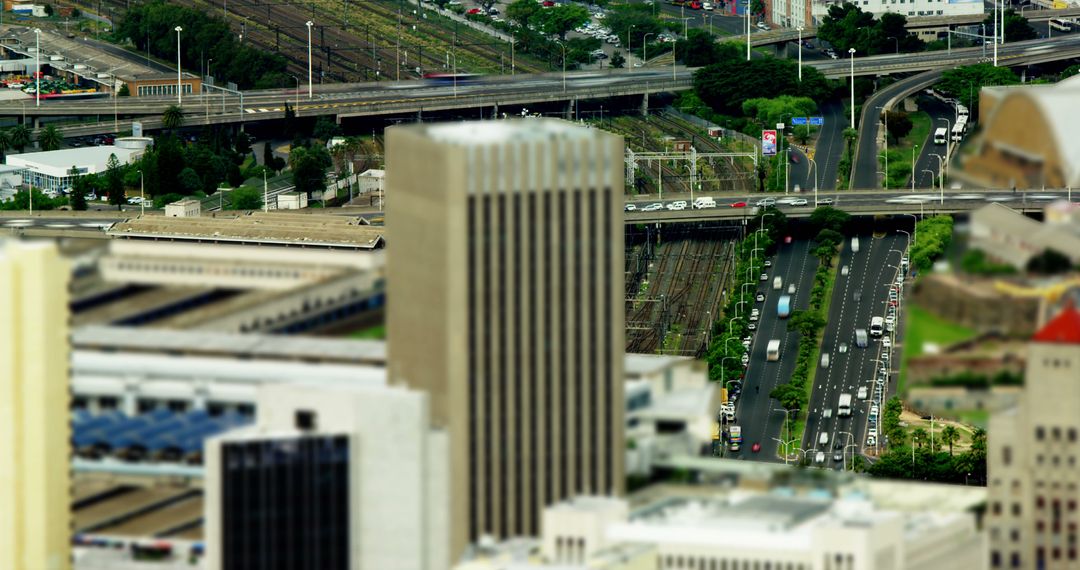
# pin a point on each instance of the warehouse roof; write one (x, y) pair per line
(267, 228)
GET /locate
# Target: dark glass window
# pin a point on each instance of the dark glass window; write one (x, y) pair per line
(285, 504)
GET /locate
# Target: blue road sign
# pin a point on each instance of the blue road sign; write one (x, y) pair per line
(817, 121)
(798, 120)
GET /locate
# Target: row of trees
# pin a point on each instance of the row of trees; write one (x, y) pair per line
(150, 27)
(934, 236)
(724, 86)
(846, 26)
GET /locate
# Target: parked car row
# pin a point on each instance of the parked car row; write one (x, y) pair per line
(710, 202)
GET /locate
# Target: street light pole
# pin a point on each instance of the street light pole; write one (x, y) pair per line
(309, 24)
(800, 30)
(142, 195)
(645, 48)
(851, 52)
(563, 46)
(941, 175)
(629, 52)
(948, 141)
(747, 30)
(913, 149)
(179, 84)
(37, 66)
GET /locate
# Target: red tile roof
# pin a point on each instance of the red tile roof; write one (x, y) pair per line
(1062, 329)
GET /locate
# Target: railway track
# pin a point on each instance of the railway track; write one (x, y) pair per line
(361, 41)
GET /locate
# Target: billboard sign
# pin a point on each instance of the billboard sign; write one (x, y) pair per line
(768, 143)
(817, 121)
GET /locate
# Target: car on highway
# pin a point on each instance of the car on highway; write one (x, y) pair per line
(655, 206)
(791, 288)
(766, 202)
(755, 448)
(871, 441)
(857, 295)
(843, 348)
(760, 297)
(677, 205)
(629, 208)
(768, 263)
(764, 276)
(787, 239)
(751, 326)
(738, 204)
(844, 270)
(799, 202)
(827, 413)
(886, 342)
(824, 202)
(794, 157)
(860, 338)
(753, 317)
(861, 394)
(825, 360)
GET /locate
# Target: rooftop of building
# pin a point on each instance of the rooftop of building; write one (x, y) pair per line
(1006, 219)
(277, 228)
(487, 133)
(637, 364)
(1064, 328)
(245, 346)
(68, 157)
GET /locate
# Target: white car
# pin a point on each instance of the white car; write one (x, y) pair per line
(871, 441)
(764, 276)
(791, 289)
(630, 208)
(677, 205)
(134, 200)
(886, 342)
(768, 263)
(844, 270)
(655, 206)
(753, 318)
(766, 202)
(760, 297)
(799, 201)
(861, 394)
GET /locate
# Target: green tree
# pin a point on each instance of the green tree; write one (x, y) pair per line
(5, 142)
(309, 167)
(189, 182)
(560, 19)
(637, 20)
(898, 124)
(78, 189)
(246, 198)
(1017, 27)
(790, 396)
(20, 137)
(831, 218)
(950, 435)
(617, 60)
(757, 8)
(829, 237)
(1049, 262)
(268, 156)
(725, 85)
(172, 118)
(521, 11)
(124, 91)
(921, 436)
(769, 112)
(963, 83)
(50, 138)
(114, 181)
(325, 129)
(698, 49)
(843, 24)
(242, 144)
(808, 323)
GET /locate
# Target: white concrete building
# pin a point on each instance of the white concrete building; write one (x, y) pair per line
(370, 180)
(1011, 237)
(713, 528)
(186, 208)
(909, 8)
(51, 170)
(348, 477)
(1032, 514)
(292, 201)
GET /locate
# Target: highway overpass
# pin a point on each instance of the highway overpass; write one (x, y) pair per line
(915, 23)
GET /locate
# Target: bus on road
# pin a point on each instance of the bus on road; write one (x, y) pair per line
(734, 438)
(783, 306)
(772, 352)
(1060, 25)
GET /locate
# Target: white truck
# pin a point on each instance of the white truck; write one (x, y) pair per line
(704, 202)
(843, 409)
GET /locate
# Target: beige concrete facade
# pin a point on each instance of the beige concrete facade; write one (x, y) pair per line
(35, 494)
(505, 304)
(1031, 514)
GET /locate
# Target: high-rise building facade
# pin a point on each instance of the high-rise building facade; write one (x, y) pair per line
(505, 303)
(35, 438)
(1032, 516)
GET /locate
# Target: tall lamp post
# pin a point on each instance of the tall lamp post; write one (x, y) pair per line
(932, 177)
(563, 46)
(297, 94)
(800, 30)
(851, 53)
(913, 149)
(948, 140)
(645, 48)
(179, 85)
(309, 23)
(941, 175)
(747, 30)
(629, 52)
(142, 195)
(37, 66)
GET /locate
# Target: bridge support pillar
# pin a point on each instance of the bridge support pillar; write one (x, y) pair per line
(37, 126)
(645, 105)
(420, 115)
(495, 112)
(571, 110)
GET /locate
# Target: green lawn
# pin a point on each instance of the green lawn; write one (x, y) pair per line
(922, 327)
(377, 332)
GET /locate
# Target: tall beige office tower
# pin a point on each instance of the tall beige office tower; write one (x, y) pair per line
(505, 302)
(35, 496)
(1034, 479)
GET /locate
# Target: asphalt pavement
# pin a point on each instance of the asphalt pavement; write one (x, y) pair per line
(936, 109)
(755, 409)
(869, 275)
(829, 148)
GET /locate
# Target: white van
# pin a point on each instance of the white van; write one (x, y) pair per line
(855, 244)
(702, 203)
(823, 439)
(777, 283)
(877, 326)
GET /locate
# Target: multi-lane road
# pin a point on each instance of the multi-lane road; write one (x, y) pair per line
(857, 297)
(756, 411)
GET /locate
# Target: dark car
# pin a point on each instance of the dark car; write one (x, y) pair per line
(794, 157)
